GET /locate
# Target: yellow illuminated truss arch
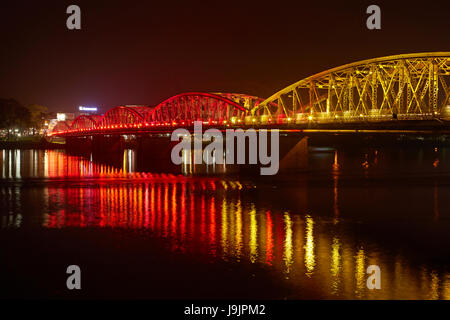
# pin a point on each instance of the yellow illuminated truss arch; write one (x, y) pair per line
(409, 86)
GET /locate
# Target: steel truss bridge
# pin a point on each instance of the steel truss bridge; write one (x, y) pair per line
(391, 91)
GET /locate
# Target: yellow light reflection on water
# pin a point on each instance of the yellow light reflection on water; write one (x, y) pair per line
(310, 260)
(224, 241)
(288, 250)
(238, 230)
(434, 286)
(335, 269)
(446, 287)
(253, 243)
(360, 273)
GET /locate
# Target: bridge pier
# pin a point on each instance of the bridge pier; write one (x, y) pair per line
(78, 145)
(95, 144)
(293, 153)
(108, 144)
(153, 152)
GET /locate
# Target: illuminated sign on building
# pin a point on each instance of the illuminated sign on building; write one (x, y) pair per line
(92, 109)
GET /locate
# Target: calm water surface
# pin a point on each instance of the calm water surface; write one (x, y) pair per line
(316, 230)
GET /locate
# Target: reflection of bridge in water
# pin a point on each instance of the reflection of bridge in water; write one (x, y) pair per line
(215, 217)
(403, 92)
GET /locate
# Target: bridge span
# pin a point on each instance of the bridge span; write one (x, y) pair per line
(404, 93)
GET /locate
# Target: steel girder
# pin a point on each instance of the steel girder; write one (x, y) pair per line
(410, 85)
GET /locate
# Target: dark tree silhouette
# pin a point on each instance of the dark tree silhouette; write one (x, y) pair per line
(13, 115)
(37, 114)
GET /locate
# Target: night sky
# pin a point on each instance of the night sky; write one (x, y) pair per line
(130, 52)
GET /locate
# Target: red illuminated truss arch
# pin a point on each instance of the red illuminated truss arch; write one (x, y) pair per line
(193, 106)
(179, 110)
(124, 116)
(85, 122)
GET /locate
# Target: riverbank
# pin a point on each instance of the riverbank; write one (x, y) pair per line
(26, 144)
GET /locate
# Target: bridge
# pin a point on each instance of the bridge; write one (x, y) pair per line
(401, 92)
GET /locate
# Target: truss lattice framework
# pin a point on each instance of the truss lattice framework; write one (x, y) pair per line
(123, 116)
(182, 109)
(411, 84)
(247, 101)
(85, 122)
(197, 106)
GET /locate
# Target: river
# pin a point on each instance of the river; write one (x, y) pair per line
(206, 233)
